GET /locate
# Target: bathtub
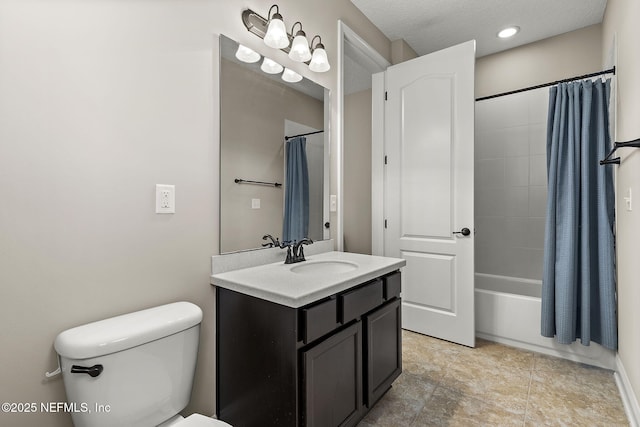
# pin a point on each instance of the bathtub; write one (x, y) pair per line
(508, 312)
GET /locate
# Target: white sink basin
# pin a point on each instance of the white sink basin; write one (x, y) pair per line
(324, 267)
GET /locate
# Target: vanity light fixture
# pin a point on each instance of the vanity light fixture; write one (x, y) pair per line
(270, 66)
(319, 61)
(276, 36)
(291, 76)
(508, 32)
(246, 54)
(299, 46)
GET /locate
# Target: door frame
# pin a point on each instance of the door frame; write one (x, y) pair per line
(347, 35)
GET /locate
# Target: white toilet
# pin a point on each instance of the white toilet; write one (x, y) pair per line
(133, 370)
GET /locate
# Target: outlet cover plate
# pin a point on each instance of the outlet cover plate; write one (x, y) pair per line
(165, 199)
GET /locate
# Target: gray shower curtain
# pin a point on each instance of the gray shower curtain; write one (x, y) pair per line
(578, 286)
(296, 198)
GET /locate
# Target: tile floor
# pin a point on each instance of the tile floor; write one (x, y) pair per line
(445, 384)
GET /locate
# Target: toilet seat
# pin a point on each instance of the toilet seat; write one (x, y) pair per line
(198, 420)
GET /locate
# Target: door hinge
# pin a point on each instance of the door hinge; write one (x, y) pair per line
(385, 160)
(385, 95)
(385, 223)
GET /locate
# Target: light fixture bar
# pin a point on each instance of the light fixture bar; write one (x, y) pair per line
(259, 25)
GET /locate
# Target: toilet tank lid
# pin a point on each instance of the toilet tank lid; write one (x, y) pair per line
(127, 331)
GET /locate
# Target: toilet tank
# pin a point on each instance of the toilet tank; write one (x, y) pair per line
(132, 370)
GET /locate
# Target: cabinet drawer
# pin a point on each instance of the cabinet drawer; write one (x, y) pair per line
(319, 319)
(392, 285)
(361, 300)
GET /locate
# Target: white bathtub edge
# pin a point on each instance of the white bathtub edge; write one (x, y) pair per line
(629, 399)
(514, 320)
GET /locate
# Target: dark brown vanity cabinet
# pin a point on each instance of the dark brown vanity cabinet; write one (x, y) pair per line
(324, 364)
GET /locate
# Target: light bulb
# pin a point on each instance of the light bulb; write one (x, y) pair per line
(300, 48)
(319, 61)
(291, 76)
(246, 54)
(276, 36)
(270, 66)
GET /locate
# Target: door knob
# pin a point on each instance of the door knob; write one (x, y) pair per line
(465, 232)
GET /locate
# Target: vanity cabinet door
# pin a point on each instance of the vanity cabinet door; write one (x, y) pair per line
(332, 380)
(383, 350)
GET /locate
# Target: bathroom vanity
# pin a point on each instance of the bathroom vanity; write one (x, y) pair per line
(309, 344)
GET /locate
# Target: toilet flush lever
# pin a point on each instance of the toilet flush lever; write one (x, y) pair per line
(93, 371)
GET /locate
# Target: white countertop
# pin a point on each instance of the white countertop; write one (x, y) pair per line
(277, 283)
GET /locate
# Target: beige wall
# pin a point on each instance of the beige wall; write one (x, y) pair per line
(253, 110)
(567, 55)
(621, 22)
(99, 101)
(357, 172)
(401, 51)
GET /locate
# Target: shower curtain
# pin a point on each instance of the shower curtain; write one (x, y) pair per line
(578, 286)
(296, 198)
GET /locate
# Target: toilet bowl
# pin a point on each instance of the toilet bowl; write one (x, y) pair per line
(136, 369)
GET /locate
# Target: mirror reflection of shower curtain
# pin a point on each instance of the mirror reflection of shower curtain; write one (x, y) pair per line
(296, 199)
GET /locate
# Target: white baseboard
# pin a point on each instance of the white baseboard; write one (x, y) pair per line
(629, 399)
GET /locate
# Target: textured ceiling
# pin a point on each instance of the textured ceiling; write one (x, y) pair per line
(430, 25)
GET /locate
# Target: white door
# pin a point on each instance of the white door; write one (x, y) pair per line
(429, 129)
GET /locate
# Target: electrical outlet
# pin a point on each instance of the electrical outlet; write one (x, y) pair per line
(165, 198)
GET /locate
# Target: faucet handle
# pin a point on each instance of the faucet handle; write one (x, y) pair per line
(298, 248)
(290, 259)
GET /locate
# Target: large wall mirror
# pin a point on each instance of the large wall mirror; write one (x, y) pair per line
(260, 155)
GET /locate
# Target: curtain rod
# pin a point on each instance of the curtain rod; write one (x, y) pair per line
(286, 138)
(586, 76)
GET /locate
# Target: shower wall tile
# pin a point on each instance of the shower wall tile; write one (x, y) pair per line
(535, 233)
(490, 232)
(515, 140)
(483, 117)
(490, 202)
(488, 145)
(491, 260)
(502, 112)
(516, 232)
(513, 110)
(538, 201)
(510, 184)
(538, 100)
(517, 171)
(538, 139)
(526, 263)
(538, 170)
(517, 201)
(489, 173)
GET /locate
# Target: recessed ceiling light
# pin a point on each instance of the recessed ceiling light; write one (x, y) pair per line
(508, 32)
